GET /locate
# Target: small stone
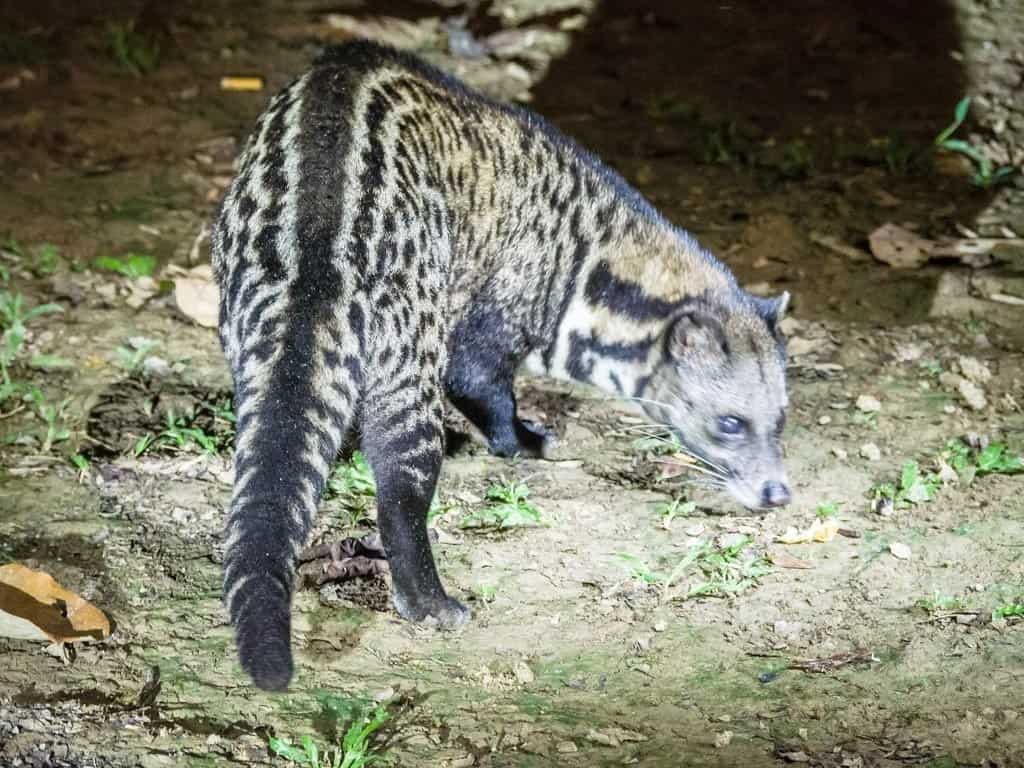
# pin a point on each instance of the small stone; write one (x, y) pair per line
(694, 530)
(728, 540)
(156, 367)
(950, 380)
(802, 732)
(1010, 715)
(466, 761)
(787, 629)
(839, 453)
(723, 739)
(523, 673)
(795, 757)
(660, 626)
(972, 394)
(789, 326)
(597, 737)
(868, 404)
(870, 451)
(641, 645)
(974, 369)
(386, 695)
(566, 747)
(899, 550)
(823, 420)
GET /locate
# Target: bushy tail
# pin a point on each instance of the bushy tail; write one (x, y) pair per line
(290, 424)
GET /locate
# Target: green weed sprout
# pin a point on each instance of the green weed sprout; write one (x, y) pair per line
(984, 175)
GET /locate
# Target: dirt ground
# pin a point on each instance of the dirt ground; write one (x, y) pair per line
(782, 138)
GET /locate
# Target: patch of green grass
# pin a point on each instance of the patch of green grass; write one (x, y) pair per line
(669, 107)
(900, 154)
(1009, 611)
(914, 487)
(355, 750)
(506, 506)
(135, 52)
(54, 418)
(352, 484)
(939, 603)
(714, 571)
(994, 459)
(660, 444)
(827, 509)
(720, 144)
(14, 319)
(669, 511)
(131, 356)
(180, 434)
(47, 260)
(984, 174)
(131, 265)
(797, 160)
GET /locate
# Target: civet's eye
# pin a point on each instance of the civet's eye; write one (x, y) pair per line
(731, 426)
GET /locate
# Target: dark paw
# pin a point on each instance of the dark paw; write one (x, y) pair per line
(530, 440)
(444, 613)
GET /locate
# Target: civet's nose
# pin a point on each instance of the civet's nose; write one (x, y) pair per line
(774, 494)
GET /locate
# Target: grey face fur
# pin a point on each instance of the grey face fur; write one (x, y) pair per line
(722, 388)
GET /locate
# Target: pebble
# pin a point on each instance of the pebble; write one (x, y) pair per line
(974, 369)
(899, 550)
(566, 747)
(823, 420)
(839, 453)
(660, 626)
(868, 404)
(723, 739)
(523, 673)
(870, 451)
(972, 394)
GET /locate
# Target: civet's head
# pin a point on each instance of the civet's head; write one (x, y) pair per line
(721, 387)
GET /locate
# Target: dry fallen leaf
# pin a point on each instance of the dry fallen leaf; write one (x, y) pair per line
(785, 560)
(899, 247)
(196, 296)
(33, 606)
(899, 550)
(820, 530)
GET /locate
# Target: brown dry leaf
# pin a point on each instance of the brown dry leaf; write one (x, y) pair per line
(676, 465)
(820, 531)
(33, 606)
(785, 560)
(899, 247)
(196, 296)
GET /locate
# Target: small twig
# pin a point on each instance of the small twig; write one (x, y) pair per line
(833, 662)
(7, 415)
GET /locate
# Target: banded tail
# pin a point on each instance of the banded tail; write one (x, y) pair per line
(295, 364)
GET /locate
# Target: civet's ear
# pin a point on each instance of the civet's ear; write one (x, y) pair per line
(773, 309)
(697, 333)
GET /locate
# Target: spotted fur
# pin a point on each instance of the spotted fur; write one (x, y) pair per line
(393, 238)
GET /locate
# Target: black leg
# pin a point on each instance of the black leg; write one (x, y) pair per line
(403, 446)
(479, 383)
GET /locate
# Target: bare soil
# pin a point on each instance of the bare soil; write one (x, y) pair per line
(766, 132)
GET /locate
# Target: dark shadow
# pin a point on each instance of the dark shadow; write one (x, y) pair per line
(823, 112)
